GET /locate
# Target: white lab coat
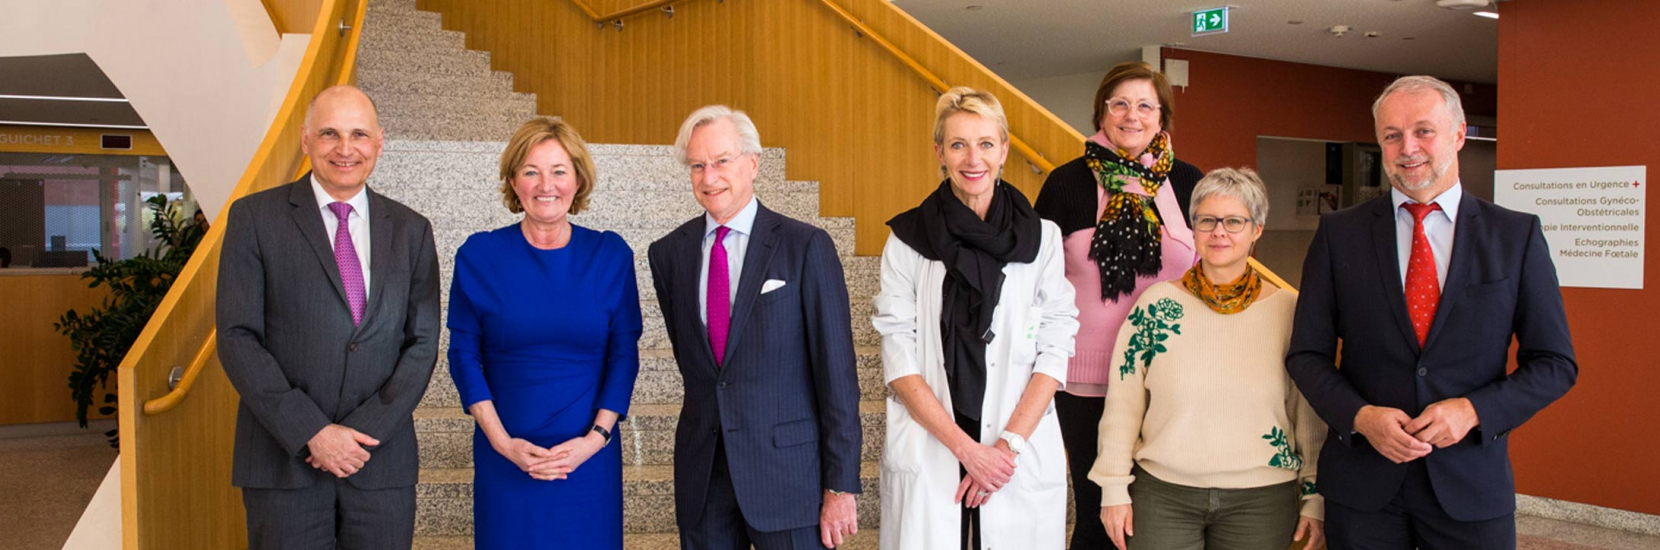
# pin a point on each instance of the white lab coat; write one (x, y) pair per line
(1035, 322)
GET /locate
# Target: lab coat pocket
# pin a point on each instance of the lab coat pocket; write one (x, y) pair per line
(905, 439)
(1023, 348)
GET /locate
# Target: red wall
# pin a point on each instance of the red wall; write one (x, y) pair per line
(1579, 89)
(1232, 100)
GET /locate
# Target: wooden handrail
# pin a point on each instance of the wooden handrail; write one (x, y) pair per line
(940, 86)
(175, 396)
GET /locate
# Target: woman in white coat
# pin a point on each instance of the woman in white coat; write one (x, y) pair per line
(977, 320)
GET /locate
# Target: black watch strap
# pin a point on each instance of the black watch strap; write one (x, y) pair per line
(604, 433)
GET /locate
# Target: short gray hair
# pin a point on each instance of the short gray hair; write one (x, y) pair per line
(749, 139)
(1240, 183)
(1418, 83)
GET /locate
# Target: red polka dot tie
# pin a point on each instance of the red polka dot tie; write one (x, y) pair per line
(1423, 290)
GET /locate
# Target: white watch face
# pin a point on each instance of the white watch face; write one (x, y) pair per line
(1016, 443)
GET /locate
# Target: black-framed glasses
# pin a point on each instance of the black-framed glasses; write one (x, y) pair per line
(1233, 224)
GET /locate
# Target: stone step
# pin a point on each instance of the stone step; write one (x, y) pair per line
(515, 108)
(382, 16)
(461, 62)
(498, 84)
(865, 539)
(419, 128)
(444, 500)
(379, 38)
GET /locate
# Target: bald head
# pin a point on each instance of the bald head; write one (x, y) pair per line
(342, 135)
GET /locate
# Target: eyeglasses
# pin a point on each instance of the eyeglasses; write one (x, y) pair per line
(1233, 224)
(1118, 106)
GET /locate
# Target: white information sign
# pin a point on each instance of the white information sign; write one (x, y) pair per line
(1593, 219)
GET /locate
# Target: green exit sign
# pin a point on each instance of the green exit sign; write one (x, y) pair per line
(1210, 21)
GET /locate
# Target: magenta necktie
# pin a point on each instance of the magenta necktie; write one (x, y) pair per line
(345, 256)
(719, 298)
(1423, 290)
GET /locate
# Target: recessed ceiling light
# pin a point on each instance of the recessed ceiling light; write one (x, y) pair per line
(1294, 22)
(1488, 14)
(1409, 38)
(1373, 34)
(975, 7)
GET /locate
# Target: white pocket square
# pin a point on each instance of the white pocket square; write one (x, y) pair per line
(771, 285)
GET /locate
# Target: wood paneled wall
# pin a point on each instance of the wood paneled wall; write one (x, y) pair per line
(35, 360)
(852, 116)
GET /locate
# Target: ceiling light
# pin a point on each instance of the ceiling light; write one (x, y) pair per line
(65, 98)
(1488, 14)
(975, 7)
(73, 125)
(1295, 22)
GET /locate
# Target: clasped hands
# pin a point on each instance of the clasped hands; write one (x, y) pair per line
(1401, 438)
(339, 450)
(989, 469)
(552, 463)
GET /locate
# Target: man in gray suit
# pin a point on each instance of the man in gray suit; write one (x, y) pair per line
(328, 328)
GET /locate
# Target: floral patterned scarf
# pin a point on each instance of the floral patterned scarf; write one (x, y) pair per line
(1128, 240)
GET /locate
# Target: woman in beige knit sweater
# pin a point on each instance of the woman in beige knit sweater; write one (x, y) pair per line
(1205, 442)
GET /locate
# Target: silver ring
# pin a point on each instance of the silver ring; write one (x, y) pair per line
(983, 493)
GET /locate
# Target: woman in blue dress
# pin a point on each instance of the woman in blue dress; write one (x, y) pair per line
(544, 325)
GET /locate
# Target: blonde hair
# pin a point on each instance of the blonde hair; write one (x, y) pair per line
(535, 132)
(963, 99)
(1240, 183)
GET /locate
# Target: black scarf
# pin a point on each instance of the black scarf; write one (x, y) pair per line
(1128, 239)
(945, 230)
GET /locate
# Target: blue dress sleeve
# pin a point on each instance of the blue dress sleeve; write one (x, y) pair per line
(466, 329)
(622, 355)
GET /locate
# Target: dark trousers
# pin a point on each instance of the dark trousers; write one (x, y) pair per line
(1080, 419)
(330, 514)
(723, 526)
(1414, 519)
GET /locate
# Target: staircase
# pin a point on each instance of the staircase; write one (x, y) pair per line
(446, 116)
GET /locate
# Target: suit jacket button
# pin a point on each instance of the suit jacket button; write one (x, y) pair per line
(352, 347)
(1423, 371)
(721, 385)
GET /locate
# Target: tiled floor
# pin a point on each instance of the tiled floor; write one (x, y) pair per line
(48, 474)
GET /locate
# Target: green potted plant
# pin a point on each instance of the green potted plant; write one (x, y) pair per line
(102, 336)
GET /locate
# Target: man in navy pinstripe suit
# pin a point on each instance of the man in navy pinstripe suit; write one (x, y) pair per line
(767, 451)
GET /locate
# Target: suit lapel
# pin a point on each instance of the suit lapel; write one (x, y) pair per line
(380, 252)
(1465, 247)
(308, 218)
(761, 240)
(688, 250)
(1389, 267)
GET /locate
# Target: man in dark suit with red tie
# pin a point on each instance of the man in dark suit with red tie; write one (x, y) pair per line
(1425, 289)
(767, 450)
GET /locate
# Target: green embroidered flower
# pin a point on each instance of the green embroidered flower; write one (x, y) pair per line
(1309, 489)
(1285, 458)
(1153, 324)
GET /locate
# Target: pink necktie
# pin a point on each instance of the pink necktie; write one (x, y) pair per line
(345, 256)
(1423, 290)
(719, 298)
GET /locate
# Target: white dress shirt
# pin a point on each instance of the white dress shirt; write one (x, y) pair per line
(1438, 226)
(736, 243)
(357, 223)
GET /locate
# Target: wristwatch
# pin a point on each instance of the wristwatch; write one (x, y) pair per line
(604, 433)
(1016, 443)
